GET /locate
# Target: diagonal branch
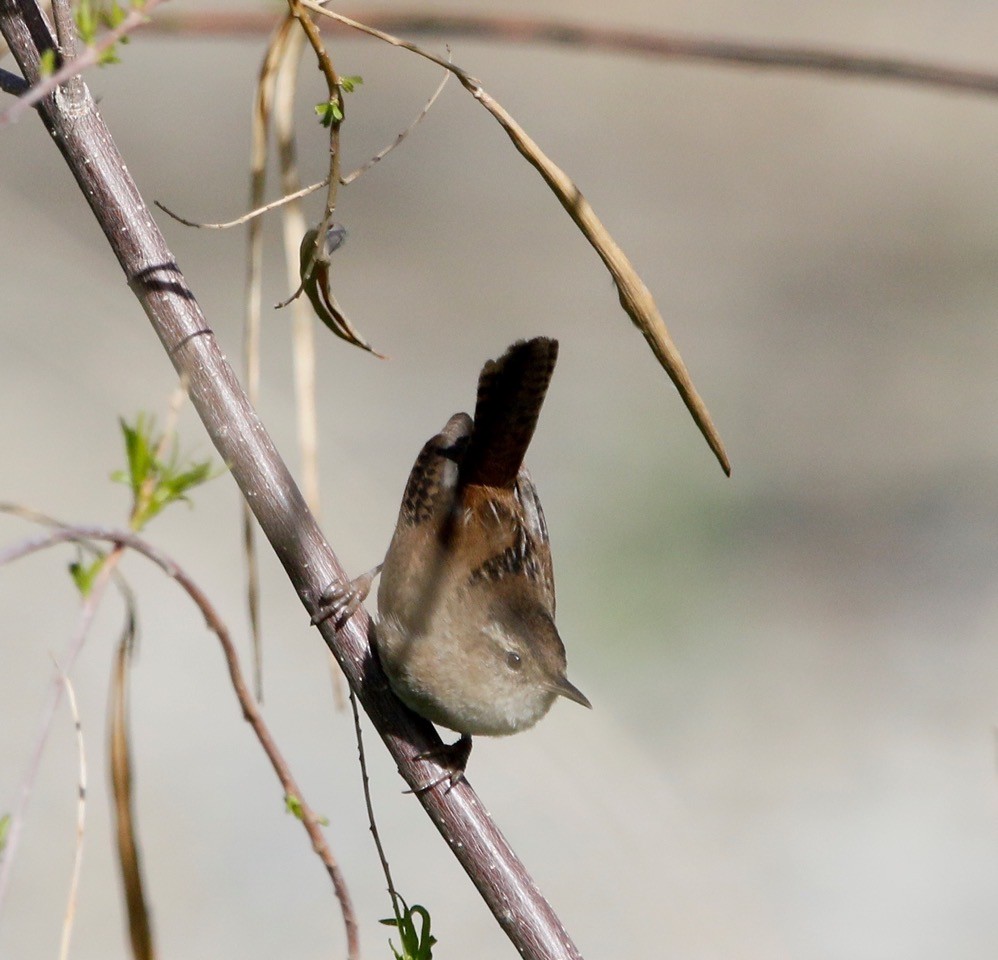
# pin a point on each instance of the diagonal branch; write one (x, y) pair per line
(267, 485)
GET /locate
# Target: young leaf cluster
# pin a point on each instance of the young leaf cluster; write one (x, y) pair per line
(329, 111)
(415, 945)
(155, 481)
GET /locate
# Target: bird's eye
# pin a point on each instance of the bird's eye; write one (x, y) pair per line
(513, 660)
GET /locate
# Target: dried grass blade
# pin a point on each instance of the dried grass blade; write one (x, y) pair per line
(126, 835)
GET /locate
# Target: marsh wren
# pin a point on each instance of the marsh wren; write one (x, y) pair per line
(465, 629)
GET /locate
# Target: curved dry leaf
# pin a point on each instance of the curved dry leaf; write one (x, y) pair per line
(316, 285)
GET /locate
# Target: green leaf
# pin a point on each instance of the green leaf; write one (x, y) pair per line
(155, 483)
(415, 945)
(137, 451)
(329, 113)
(4, 830)
(84, 574)
(349, 84)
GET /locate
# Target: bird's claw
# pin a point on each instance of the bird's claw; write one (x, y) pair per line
(341, 599)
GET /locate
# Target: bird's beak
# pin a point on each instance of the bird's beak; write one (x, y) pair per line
(565, 688)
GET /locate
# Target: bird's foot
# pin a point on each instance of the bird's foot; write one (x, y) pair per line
(453, 757)
(340, 600)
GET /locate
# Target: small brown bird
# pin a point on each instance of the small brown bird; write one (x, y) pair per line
(466, 630)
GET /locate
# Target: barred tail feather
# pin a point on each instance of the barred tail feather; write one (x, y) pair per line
(511, 391)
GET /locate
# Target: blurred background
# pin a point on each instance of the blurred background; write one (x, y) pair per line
(794, 670)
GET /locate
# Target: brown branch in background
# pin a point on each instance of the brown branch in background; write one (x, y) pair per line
(121, 765)
(274, 107)
(119, 745)
(610, 39)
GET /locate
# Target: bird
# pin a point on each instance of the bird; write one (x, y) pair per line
(466, 602)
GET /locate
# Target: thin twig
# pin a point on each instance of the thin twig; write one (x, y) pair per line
(246, 217)
(29, 513)
(381, 154)
(366, 783)
(81, 817)
(251, 713)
